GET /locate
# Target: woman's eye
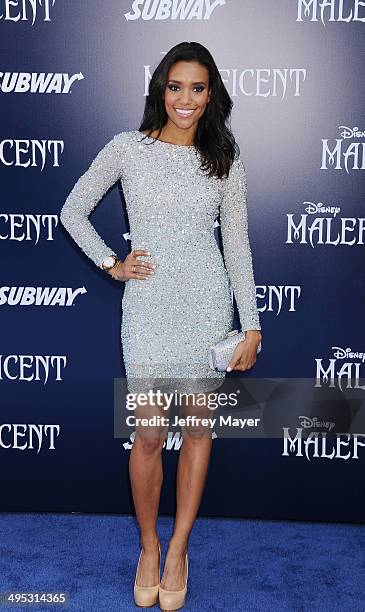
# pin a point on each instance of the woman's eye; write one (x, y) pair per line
(200, 88)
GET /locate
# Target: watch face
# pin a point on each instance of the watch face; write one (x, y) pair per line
(109, 261)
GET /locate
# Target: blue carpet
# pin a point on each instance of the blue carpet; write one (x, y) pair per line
(234, 565)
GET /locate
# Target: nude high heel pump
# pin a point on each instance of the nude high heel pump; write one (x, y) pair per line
(146, 596)
(173, 600)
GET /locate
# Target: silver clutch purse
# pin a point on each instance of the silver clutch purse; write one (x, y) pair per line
(220, 354)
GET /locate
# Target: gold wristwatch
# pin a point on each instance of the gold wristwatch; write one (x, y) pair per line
(109, 262)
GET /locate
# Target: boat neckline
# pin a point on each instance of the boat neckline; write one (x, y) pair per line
(171, 144)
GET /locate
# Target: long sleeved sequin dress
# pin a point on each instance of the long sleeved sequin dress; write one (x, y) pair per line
(170, 320)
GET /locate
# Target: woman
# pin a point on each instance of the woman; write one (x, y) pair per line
(179, 171)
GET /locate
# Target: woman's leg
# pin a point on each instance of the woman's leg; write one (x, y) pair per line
(146, 474)
(191, 476)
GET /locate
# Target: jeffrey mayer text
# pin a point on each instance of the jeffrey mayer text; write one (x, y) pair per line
(191, 420)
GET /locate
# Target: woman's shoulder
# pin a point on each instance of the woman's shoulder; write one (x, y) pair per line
(127, 137)
(237, 167)
(121, 142)
(238, 158)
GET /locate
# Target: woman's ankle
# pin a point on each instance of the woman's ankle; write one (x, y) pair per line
(149, 543)
(178, 546)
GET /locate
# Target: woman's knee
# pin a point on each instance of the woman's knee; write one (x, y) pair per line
(151, 442)
(195, 432)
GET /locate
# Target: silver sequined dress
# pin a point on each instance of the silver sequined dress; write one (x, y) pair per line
(170, 320)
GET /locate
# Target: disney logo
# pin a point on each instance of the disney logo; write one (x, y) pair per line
(312, 208)
(347, 353)
(350, 132)
(307, 422)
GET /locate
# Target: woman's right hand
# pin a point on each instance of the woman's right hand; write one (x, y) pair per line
(132, 267)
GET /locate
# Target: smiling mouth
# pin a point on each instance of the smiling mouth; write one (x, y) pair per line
(184, 113)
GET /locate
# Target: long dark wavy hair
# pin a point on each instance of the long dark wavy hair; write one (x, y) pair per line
(213, 139)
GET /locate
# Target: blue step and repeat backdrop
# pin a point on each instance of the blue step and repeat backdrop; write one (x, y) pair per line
(72, 75)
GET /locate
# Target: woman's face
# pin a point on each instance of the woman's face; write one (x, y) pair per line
(186, 89)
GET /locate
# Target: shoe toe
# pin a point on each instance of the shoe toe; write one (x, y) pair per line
(172, 600)
(146, 596)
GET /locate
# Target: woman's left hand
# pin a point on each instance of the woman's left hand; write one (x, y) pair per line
(245, 353)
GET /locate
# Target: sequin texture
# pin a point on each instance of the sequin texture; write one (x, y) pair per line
(170, 320)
